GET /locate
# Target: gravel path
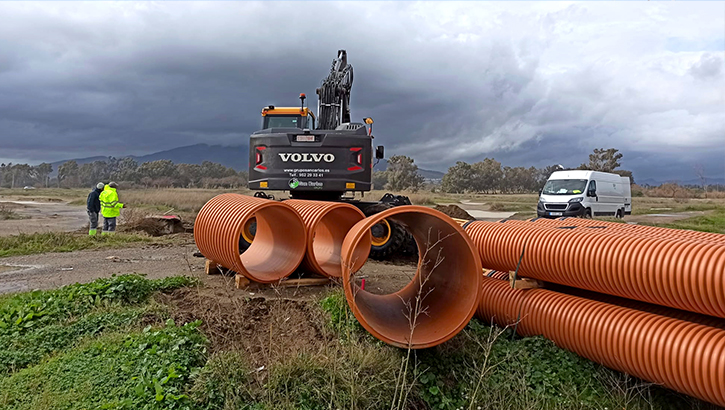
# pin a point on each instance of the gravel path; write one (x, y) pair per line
(53, 270)
(44, 217)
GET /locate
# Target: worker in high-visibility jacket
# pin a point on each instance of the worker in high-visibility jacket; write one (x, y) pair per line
(110, 208)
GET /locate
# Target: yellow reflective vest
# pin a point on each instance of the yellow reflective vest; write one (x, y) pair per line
(110, 207)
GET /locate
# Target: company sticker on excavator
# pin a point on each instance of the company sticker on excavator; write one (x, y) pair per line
(307, 172)
(296, 183)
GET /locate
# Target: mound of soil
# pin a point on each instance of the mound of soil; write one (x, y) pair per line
(261, 327)
(159, 226)
(454, 211)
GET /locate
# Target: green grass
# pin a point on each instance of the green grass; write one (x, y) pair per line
(84, 346)
(35, 243)
(514, 372)
(481, 368)
(138, 370)
(713, 222)
(109, 345)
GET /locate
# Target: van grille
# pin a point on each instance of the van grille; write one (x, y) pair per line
(555, 207)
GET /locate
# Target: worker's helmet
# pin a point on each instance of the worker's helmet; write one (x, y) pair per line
(100, 185)
(113, 184)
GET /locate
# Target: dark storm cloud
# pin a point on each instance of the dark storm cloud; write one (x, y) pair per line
(528, 84)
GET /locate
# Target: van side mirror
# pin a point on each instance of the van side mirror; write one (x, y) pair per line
(379, 152)
(592, 192)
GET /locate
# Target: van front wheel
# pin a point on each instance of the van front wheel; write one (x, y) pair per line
(587, 213)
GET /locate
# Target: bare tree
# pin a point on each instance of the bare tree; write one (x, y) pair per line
(700, 172)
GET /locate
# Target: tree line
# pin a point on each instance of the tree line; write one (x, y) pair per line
(490, 176)
(486, 176)
(126, 171)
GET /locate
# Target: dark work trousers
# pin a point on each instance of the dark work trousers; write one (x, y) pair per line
(109, 225)
(93, 220)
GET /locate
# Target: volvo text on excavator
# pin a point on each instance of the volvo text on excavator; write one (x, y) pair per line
(324, 157)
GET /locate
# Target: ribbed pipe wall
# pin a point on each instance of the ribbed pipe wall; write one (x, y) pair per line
(497, 274)
(683, 356)
(680, 274)
(628, 303)
(623, 228)
(279, 243)
(327, 224)
(642, 306)
(612, 229)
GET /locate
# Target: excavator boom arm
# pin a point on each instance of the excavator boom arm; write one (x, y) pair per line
(333, 101)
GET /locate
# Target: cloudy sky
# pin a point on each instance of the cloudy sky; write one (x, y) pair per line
(529, 83)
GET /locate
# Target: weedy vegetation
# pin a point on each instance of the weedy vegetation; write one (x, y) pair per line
(98, 345)
(131, 343)
(42, 242)
(713, 222)
(8, 213)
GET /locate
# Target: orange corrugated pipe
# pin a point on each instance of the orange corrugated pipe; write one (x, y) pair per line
(327, 224)
(623, 302)
(278, 246)
(613, 229)
(496, 274)
(642, 306)
(685, 275)
(681, 355)
(639, 229)
(448, 280)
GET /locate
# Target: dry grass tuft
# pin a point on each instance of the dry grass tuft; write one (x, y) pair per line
(7, 212)
(188, 200)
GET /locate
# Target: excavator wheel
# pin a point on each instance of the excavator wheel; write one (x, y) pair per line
(388, 236)
(409, 245)
(247, 236)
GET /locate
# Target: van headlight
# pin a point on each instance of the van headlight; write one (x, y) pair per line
(577, 199)
(542, 200)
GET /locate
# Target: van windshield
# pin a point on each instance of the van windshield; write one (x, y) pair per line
(564, 186)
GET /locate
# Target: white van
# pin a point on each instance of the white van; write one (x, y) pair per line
(585, 194)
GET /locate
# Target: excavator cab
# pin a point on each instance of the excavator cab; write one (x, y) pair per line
(288, 117)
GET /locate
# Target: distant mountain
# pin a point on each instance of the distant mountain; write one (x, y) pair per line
(426, 173)
(708, 181)
(233, 157)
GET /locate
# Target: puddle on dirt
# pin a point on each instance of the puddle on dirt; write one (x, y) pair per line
(14, 268)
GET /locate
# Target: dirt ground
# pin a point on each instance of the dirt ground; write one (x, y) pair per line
(53, 270)
(43, 217)
(479, 211)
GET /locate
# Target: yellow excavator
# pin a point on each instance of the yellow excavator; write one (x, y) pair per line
(324, 157)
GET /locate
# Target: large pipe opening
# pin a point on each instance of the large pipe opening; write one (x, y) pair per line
(442, 296)
(279, 241)
(327, 225)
